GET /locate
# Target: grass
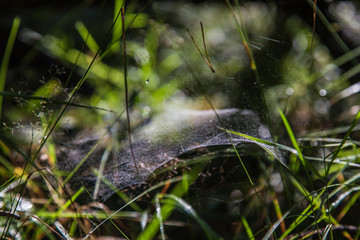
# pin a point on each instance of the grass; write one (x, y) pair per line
(123, 70)
(6, 57)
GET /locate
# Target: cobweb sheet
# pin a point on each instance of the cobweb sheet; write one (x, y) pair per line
(167, 136)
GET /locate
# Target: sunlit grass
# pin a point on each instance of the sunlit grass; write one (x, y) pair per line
(6, 57)
(301, 182)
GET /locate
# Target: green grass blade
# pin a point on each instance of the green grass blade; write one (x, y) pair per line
(186, 207)
(242, 31)
(348, 206)
(122, 195)
(346, 137)
(87, 37)
(274, 226)
(153, 227)
(247, 228)
(103, 161)
(62, 230)
(306, 165)
(315, 202)
(70, 201)
(327, 231)
(81, 162)
(7, 183)
(292, 137)
(302, 217)
(262, 141)
(346, 57)
(343, 196)
(117, 28)
(331, 28)
(159, 215)
(173, 180)
(345, 184)
(89, 215)
(6, 57)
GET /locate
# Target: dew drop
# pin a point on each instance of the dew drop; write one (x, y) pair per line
(322, 92)
(147, 81)
(290, 91)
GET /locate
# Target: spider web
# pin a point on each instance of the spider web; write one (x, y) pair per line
(177, 130)
(167, 136)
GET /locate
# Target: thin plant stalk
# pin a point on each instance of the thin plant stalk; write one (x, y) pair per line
(127, 90)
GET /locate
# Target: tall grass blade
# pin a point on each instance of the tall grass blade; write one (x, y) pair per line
(205, 48)
(355, 70)
(346, 137)
(103, 161)
(126, 90)
(306, 165)
(62, 230)
(248, 230)
(206, 59)
(302, 217)
(153, 227)
(292, 137)
(81, 162)
(343, 196)
(345, 184)
(274, 226)
(242, 31)
(70, 201)
(314, 23)
(6, 57)
(87, 37)
(173, 180)
(278, 212)
(118, 26)
(315, 202)
(7, 183)
(159, 215)
(327, 230)
(187, 208)
(331, 28)
(122, 195)
(348, 206)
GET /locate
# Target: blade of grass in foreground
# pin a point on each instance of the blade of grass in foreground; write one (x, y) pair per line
(87, 37)
(292, 137)
(248, 230)
(126, 90)
(314, 24)
(240, 24)
(175, 179)
(315, 202)
(332, 30)
(306, 165)
(305, 214)
(243, 34)
(7, 54)
(153, 227)
(210, 234)
(118, 27)
(207, 59)
(261, 142)
(347, 135)
(274, 226)
(118, 192)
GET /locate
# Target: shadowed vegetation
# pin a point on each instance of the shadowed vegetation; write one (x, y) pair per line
(179, 119)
